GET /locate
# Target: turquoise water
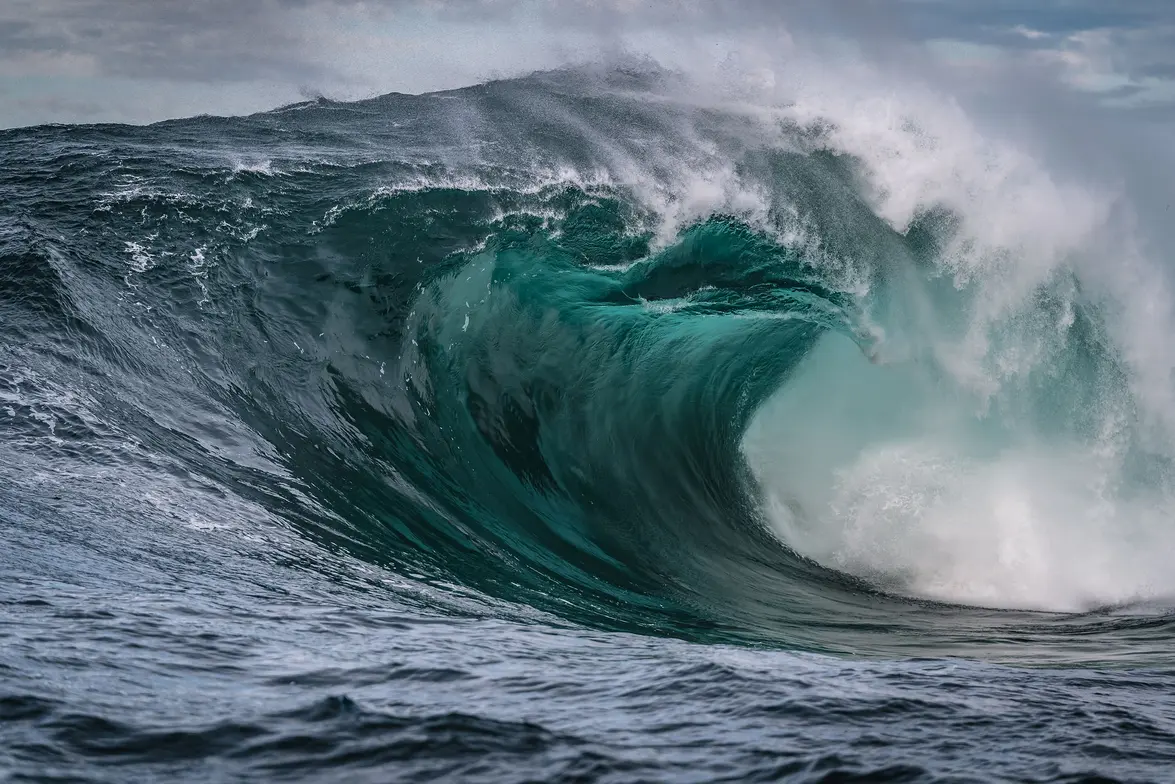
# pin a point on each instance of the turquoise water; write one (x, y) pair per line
(564, 429)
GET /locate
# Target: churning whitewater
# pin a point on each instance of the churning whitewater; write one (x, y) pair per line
(757, 418)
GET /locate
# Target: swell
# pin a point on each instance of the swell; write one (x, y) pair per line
(516, 360)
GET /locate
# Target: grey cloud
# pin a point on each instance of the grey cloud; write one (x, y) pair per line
(1124, 92)
(303, 45)
(1159, 70)
(56, 104)
(240, 40)
(206, 40)
(19, 35)
(294, 42)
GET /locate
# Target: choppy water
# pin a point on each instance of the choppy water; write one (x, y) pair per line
(573, 428)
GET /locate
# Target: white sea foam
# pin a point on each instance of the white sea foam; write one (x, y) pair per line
(931, 473)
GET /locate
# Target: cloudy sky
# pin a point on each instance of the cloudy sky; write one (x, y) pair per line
(145, 60)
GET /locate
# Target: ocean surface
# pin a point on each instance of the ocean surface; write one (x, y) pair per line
(587, 426)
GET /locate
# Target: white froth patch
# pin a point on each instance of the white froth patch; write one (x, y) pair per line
(263, 167)
(884, 472)
(928, 475)
(1032, 530)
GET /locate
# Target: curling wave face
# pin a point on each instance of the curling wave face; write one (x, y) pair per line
(755, 373)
